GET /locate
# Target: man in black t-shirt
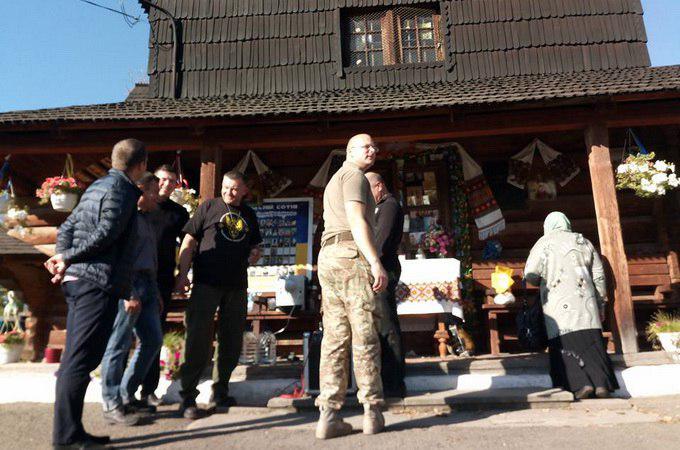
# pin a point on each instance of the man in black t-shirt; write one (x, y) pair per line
(222, 238)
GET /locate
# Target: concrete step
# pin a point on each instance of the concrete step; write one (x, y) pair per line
(447, 400)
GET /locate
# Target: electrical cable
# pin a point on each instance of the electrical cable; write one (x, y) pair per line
(127, 16)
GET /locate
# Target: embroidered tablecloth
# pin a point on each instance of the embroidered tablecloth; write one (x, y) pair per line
(428, 286)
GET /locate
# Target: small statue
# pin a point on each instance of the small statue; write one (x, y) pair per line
(10, 314)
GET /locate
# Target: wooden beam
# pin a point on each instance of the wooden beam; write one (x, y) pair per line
(211, 173)
(320, 131)
(611, 239)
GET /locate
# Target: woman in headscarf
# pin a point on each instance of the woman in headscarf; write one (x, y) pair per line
(573, 293)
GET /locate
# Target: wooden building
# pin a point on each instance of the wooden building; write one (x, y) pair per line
(294, 79)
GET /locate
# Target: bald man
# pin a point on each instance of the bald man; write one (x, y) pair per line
(351, 274)
(389, 219)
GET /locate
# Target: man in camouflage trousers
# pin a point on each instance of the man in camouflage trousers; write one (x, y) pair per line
(350, 273)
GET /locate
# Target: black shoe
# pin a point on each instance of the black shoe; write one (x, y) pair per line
(122, 416)
(191, 411)
(98, 439)
(141, 406)
(602, 392)
(81, 444)
(585, 392)
(221, 404)
(151, 399)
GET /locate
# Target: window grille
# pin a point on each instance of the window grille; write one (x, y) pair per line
(394, 36)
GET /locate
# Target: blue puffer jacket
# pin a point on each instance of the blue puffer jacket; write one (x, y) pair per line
(98, 238)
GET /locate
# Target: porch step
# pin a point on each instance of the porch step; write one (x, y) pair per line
(448, 400)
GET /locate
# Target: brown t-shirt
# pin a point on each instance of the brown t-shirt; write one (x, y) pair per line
(348, 184)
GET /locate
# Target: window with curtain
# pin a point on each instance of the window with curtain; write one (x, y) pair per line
(393, 36)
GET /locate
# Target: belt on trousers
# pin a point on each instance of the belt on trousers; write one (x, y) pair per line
(340, 237)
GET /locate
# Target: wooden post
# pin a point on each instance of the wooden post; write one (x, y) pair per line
(611, 239)
(211, 173)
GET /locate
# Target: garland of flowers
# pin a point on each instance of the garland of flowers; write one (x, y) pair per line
(460, 221)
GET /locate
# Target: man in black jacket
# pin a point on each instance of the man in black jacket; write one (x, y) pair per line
(93, 261)
(389, 219)
(173, 217)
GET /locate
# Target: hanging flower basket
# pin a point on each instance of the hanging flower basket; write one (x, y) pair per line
(61, 192)
(64, 201)
(11, 346)
(645, 176)
(10, 353)
(186, 197)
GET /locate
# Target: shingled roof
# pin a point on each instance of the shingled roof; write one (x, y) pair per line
(260, 47)
(371, 99)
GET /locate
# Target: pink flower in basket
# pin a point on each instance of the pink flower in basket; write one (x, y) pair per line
(57, 185)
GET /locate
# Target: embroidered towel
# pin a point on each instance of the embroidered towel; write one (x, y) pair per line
(562, 168)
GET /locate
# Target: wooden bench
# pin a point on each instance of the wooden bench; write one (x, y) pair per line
(650, 282)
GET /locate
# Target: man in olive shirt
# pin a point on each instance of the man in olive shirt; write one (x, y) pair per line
(222, 238)
(388, 232)
(350, 274)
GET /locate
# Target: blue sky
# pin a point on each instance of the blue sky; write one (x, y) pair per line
(66, 52)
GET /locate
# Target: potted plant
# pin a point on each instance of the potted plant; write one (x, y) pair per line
(61, 191)
(171, 354)
(665, 329)
(11, 346)
(646, 177)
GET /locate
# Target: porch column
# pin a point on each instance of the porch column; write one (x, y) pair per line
(611, 240)
(211, 173)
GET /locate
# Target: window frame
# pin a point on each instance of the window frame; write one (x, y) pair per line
(391, 38)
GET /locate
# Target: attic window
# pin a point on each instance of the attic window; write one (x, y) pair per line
(393, 36)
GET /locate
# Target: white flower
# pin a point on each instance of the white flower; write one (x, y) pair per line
(661, 166)
(661, 190)
(647, 186)
(671, 167)
(623, 168)
(659, 178)
(17, 214)
(644, 167)
(673, 180)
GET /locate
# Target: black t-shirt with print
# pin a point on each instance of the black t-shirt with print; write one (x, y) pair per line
(225, 236)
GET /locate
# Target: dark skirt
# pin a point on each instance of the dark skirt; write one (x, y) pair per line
(579, 359)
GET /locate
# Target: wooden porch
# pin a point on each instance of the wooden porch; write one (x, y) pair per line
(638, 237)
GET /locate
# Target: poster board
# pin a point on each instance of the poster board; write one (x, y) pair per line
(286, 229)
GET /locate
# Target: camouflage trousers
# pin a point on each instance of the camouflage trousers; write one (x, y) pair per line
(350, 317)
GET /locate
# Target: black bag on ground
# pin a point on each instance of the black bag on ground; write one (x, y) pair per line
(531, 326)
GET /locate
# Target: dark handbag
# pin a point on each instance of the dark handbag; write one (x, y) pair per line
(531, 326)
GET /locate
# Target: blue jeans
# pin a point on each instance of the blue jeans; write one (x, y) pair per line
(119, 384)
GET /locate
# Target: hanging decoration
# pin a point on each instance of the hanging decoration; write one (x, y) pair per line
(13, 217)
(183, 194)
(641, 173)
(486, 212)
(315, 188)
(562, 168)
(270, 184)
(6, 192)
(62, 191)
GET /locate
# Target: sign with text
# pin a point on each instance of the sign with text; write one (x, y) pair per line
(286, 229)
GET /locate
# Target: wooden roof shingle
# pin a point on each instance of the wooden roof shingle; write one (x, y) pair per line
(397, 97)
(248, 44)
